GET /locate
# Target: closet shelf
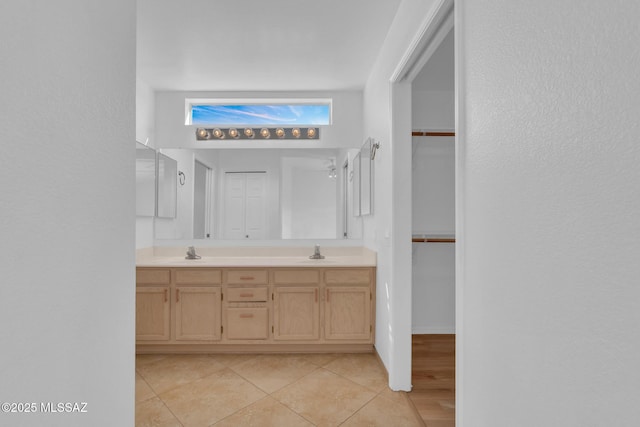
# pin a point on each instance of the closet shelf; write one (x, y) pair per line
(432, 133)
(425, 238)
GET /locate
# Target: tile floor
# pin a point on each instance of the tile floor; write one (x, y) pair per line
(268, 390)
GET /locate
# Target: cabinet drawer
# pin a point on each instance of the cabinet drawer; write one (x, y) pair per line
(153, 276)
(247, 294)
(237, 277)
(295, 277)
(198, 276)
(248, 323)
(350, 276)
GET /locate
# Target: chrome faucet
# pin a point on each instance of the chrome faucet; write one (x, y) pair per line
(191, 253)
(316, 253)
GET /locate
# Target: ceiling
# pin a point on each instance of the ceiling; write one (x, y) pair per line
(257, 45)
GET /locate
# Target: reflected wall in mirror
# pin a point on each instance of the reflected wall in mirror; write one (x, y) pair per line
(167, 186)
(366, 178)
(260, 194)
(145, 180)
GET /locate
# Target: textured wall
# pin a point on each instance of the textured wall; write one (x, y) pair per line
(67, 129)
(550, 196)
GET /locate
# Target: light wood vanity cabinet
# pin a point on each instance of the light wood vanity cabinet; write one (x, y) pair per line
(247, 308)
(202, 309)
(152, 313)
(348, 304)
(152, 305)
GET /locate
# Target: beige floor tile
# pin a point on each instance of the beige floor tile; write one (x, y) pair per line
(363, 369)
(209, 399)
(143, 391)
(399, 397)
(272, 372)
(384, 412)
(324, 398)
(265, 412)
(153, 413)
(231, 359)
(320, 359)
(142, 359)
(175, 370)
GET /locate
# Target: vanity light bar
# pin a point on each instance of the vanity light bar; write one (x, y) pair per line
(205, 134)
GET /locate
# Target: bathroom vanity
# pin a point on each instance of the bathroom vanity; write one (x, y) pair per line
(255, 300)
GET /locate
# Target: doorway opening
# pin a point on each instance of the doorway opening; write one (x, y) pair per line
(424, 126)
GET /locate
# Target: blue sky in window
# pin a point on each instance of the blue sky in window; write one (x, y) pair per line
(261, 114)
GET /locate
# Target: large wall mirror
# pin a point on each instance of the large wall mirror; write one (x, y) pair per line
(271, 194)
(167, 186)
(363, 179)
(145, 180)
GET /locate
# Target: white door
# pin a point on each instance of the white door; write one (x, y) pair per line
(244, 205)
(256, 184)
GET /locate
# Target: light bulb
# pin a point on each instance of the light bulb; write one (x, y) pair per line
(248, 132)
(280, 133)
(202, 133)
(295, 132)
(311, 133)
(264, 132)
(233, 133)
(218, 133)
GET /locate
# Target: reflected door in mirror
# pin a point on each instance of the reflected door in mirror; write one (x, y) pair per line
(244, 205)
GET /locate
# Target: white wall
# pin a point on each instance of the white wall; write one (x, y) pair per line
(308, 199)
(145, 122)
(67, 130)
(345, 130)
(439, 107)
(433, 194)
(393, 304)
(433, 210)
(550, 189)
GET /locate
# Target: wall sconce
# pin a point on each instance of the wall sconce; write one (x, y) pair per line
(205, 134)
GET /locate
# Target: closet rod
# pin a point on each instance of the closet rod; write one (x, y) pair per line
(432, 240)
(421, 133)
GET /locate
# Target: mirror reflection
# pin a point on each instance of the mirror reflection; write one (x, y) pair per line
(269, 194)
(167, 186)
(145, 180)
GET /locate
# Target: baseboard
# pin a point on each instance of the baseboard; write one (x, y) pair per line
(417, 330)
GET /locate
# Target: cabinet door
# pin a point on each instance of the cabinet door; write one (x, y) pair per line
(296, 313)
(152, 313)
(198, 313)
(347, 313)
(247, 323)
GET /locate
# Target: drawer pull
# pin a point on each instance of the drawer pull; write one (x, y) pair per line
(166, 296)
(177, 295)
(246, 295)
(247, 278)
(246, 316)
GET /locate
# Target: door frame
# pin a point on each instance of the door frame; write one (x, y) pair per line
(432, 31)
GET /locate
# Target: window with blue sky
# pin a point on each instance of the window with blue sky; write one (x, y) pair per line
(272, 113)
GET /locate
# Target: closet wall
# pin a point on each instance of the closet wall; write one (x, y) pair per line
(433, 293)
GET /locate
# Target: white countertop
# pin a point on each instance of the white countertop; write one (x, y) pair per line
(256, 257)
